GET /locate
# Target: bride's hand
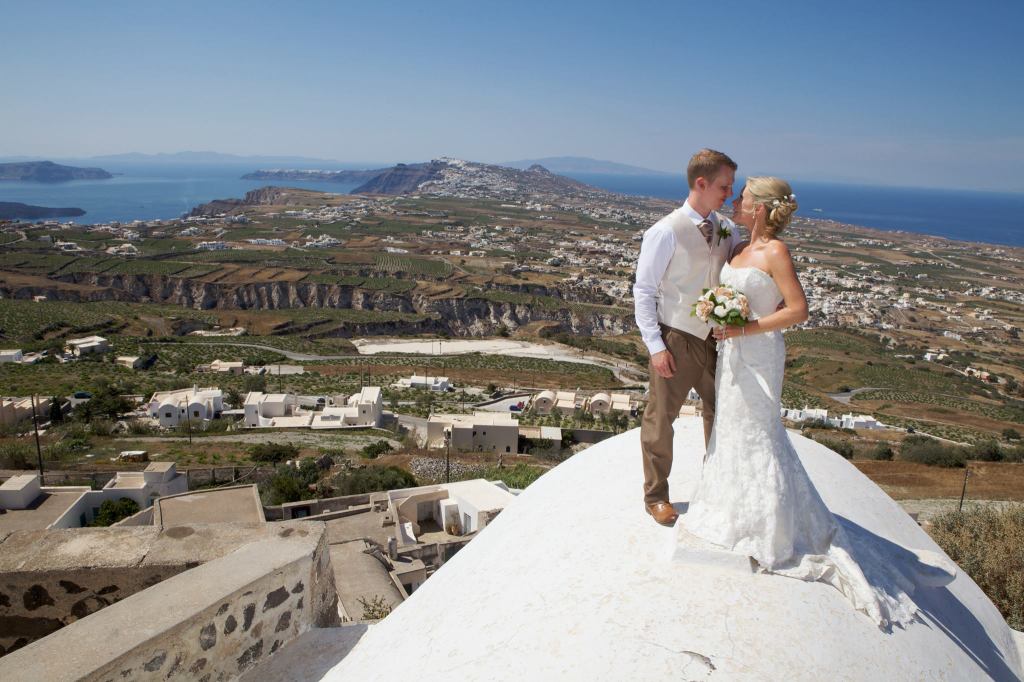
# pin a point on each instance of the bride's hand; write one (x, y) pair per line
(729, 331)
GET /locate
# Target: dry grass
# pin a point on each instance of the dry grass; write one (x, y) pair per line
(989, 545)
(910, 481)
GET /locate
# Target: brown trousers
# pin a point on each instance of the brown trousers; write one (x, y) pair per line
(695, 361)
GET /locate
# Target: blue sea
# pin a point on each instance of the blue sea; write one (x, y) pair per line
(150, 191)
(990, 217)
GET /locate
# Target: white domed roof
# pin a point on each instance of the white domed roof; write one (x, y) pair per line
(574, 581)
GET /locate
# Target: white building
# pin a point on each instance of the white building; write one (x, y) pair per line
(171, 408)
(32, 505)
(438, 384)
(360, 409)
(543, 402)
(459, 508)
(273, 409)
(15, 410)
(859, 421)
(570, 572)
(480, 432)
(599, 404)
(621, 402)
(88, 344)
(806, 414)
(227, 366)
(129, 361)
(13, 355)
(565, 402)
(157, 480)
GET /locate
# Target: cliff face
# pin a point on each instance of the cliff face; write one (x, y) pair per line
(458, 316)
(264, 196)
(402, 178)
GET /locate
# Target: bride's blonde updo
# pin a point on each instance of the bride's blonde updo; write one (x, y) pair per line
(777, 197)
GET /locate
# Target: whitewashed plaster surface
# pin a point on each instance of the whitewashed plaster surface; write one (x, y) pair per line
(574, 581)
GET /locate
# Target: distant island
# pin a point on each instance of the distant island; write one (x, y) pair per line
(48, 171)
(9, 210)
(341, 176)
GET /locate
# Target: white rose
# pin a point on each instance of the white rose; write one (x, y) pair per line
(720, 311)
(733, 304)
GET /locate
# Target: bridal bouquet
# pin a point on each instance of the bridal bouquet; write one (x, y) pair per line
(722, 305)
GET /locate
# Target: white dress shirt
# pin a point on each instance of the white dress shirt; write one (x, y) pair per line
(655, 253)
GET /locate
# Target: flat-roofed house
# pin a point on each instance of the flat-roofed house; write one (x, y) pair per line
(480, 432)
(16, 410)
(264, 409)
(229, 366)
(360, 409)
(87, 345)
(11, 355)
(621, 402)
(565, 402)
(129, 361)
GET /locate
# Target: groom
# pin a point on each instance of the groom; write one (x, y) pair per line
(680, 255)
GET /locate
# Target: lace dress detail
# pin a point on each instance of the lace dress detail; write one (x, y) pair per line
(754, 496)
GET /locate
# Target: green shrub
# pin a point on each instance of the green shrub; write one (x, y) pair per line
(843, 447)
(16, 456)
(273, 452)
(373, 479)
(986, 451)
(112, 511)
(519, 476)
(988, 545)
(925, 450)
(882, 451)
(374, 450)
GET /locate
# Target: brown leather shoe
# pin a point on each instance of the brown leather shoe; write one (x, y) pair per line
(662, 512)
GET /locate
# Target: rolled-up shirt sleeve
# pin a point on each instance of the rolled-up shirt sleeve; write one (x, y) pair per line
(656, 251)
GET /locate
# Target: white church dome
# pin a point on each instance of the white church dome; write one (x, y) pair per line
(574, 581)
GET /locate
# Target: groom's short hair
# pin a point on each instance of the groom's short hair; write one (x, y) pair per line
(705, 164)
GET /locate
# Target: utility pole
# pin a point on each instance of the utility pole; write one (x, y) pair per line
(963, 493)
(447, 457)
(39, 449)
(188, 422)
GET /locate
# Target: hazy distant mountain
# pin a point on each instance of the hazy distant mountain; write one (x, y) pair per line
(340, 176)
(48, 171)
(198, 158)
(582, 164)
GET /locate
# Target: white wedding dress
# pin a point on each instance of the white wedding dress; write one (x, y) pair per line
(754, 496)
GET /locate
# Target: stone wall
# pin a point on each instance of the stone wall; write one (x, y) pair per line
(52, 578)
(214, 621)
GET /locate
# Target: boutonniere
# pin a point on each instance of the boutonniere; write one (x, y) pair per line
(723, 233)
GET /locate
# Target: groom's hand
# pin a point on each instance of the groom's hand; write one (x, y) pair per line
(663, 364)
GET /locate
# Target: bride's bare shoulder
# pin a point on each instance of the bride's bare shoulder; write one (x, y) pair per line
(776, 248)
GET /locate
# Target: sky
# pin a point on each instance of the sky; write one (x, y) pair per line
(909, 93)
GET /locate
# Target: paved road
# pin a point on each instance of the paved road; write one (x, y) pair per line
(622, 370)
(846, 396)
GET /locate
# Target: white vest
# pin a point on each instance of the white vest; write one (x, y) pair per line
(694, 267)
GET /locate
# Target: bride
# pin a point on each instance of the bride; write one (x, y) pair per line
(754, 496)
